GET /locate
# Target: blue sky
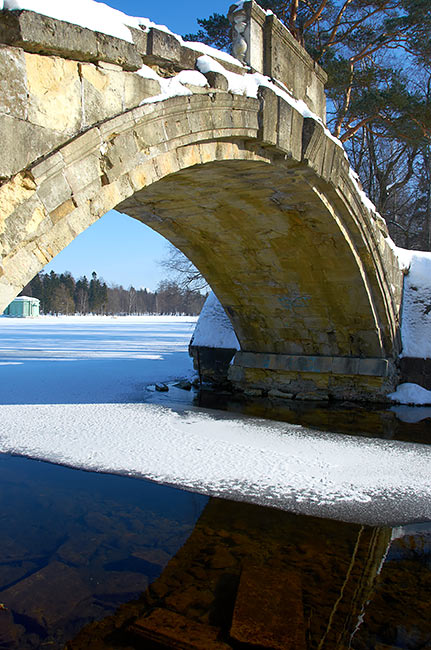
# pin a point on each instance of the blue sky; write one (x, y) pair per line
(118, 248)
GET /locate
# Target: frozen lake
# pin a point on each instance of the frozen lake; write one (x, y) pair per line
(75, 391)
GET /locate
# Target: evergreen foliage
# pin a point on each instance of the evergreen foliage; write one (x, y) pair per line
(377, 54)
(62, 294)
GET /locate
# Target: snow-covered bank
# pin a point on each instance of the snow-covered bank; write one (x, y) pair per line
(411, 394)
(56, 373)
(416, 311)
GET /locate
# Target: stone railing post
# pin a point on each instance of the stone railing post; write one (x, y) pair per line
(261, 41)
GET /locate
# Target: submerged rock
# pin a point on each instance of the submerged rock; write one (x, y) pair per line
(184, 384)
(162, 388)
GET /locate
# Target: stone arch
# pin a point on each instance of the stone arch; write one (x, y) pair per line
(274, 221)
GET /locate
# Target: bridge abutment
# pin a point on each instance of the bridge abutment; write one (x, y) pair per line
(313, 377)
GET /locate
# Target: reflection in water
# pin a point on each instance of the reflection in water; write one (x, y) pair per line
(409, 424)
(76, 545)
(252, 577)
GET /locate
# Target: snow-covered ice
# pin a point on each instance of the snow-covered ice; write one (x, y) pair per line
(76, 398)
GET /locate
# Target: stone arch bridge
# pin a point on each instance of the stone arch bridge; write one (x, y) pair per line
(253, 189)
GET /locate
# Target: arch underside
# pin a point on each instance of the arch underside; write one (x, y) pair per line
(277, 260)
(294, 258)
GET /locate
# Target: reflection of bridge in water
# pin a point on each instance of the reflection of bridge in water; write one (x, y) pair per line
(253, 189)
(251, 577)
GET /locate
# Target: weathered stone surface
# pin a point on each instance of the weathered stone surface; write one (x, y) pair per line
(115, 50)
(268, 609)
(268, 123)
(137, 88)
(38, 33)
(175, 631)
(162, 47)
(288, 62)
(416, 371)
(17, 153)
(13, 86)
(48, 595)
(217, 80)
(54, 89)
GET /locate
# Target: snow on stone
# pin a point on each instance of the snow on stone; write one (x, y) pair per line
(87, 13)
(411, 394)
(416, 312)
(403, 255)
(192, 77)
(212, 51)
(92, 414)
(101, 18)
(214, 329)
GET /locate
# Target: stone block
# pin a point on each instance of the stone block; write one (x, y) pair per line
(87, 143)
(19, 152)
(279, 394)
(137, 88)
(119, 124)
(269, 610)
(143, 175)
(38, 33)
(80, 219)
(345, 366)
(268, 116)
(373, 367)
(140, 38)
(54, 191)
(47, 168)
(13, 85)
(313, 144)
(54, 88)
(287, 61)
(217, 80)
(169, 629)
(13, 194)
(289, 130)
(162, 47)
(62, 210)
(188, 58)
(56, 239)
(117, 155)
(102, 93)
(82, 174)
(115, 50)
(149, 133)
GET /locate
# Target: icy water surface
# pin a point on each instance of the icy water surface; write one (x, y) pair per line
(75, 545)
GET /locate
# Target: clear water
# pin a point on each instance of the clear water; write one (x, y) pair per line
(87, 559)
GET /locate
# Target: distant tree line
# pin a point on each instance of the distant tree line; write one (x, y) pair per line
(62, 294)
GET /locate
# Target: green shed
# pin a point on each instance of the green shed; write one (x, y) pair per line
(23, 307)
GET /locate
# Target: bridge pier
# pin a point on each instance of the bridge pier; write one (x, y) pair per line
(313, 377)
